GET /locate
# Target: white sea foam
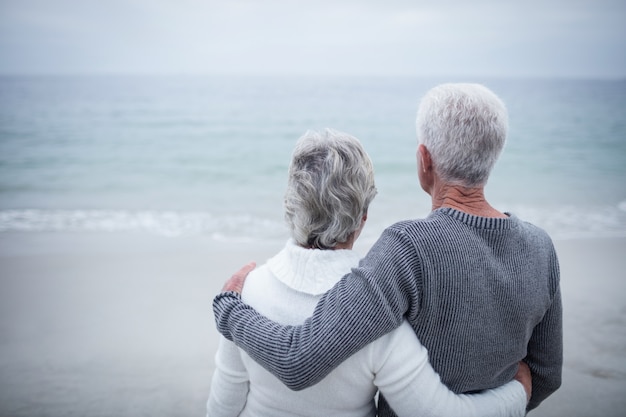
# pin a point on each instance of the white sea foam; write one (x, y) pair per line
(561, 222)
(164, 223)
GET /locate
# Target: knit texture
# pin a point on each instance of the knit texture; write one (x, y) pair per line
(480, 293)
(286, 289)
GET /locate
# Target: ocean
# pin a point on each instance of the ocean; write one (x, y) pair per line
(126, 201)
(207, 156)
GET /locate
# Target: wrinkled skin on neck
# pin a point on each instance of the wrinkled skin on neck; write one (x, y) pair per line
(469, 200)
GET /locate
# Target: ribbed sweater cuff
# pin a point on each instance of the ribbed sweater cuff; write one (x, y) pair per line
(223, 304)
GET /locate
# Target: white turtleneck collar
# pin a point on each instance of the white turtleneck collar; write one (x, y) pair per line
(312, 271)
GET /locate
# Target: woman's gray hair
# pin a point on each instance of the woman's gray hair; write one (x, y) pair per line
(330, 187)
(464, 128)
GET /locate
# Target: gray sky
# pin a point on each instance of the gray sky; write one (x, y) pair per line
(571, 38)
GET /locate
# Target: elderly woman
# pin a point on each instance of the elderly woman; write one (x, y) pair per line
(331, 184)
(479, 287)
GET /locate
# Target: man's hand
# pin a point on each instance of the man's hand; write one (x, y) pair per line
(524, 377)
(235, 283)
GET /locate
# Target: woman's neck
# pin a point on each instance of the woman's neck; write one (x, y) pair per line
(340, 245)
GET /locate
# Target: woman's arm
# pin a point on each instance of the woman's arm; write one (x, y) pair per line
(411, 386)
(364, 305)
(230, 384)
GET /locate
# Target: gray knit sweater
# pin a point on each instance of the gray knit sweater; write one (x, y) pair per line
(480, 293)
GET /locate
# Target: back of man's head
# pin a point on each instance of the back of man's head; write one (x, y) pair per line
(464, 127)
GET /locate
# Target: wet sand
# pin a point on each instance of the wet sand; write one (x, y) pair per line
(121, 325)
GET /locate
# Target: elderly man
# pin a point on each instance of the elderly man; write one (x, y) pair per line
(479, 287)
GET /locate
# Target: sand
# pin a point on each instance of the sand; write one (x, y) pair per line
(121, 325)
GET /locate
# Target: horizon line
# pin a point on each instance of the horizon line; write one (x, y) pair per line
(60, 74)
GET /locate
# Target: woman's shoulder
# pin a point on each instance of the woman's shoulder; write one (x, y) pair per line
(259, 285)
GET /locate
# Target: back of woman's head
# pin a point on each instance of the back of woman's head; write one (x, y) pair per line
(464, 128)
(330, 187)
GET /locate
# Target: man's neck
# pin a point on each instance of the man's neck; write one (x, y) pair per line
(467, 200)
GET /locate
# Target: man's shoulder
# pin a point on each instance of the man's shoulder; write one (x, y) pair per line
(418, 227)
(534, 232)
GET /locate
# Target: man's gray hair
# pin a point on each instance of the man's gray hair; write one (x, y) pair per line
(464, 128)
(330, 187)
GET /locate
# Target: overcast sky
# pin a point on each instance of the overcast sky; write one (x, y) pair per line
(571, 38)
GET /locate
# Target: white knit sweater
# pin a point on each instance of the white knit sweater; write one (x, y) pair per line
(286, 289)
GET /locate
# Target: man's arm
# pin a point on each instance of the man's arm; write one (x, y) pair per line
(364, 305)
(545, 348)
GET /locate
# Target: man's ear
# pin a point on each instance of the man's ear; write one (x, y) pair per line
(425, 162)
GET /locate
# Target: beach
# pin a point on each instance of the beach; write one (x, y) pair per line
(121, 324)
(127, 201)
(144, 152)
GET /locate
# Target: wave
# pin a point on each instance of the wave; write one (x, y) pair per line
(562, 222)
(163, 223)
(569, 222)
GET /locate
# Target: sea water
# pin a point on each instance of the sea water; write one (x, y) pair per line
(208, 156)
